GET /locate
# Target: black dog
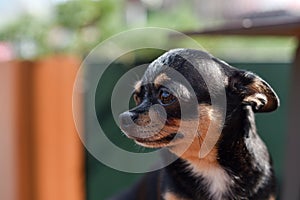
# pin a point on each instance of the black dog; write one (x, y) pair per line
(237, 165)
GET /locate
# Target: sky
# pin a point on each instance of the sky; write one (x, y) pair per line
(11, 9)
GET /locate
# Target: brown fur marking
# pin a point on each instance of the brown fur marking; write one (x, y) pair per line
(259, 87)
(201, 141)
(189, 147)
(272, 198)
(143, 119)
(172, 196)
(137, 86)
(160, 79)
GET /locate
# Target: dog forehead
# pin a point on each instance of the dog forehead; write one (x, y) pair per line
(154, 70)
(189, 62)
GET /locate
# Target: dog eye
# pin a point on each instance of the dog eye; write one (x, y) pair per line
(166, 98)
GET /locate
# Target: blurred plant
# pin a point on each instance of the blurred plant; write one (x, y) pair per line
(76, 27)
(182, 15)
(26, 31)
(90, 21)
(79, 25)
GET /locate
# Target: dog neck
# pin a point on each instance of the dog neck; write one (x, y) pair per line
(238, 164)
(245, 157)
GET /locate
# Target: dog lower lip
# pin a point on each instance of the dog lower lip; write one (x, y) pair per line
(165, 139)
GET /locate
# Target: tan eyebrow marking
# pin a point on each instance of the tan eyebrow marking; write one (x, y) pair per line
(160, 79)
(137, 86)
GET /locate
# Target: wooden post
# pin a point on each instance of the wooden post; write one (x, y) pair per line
(8, 145)
(42, 157)
(58, 149)
(291, 182)
(24, 128)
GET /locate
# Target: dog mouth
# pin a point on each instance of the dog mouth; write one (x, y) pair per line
(162, 141)
(153, 135)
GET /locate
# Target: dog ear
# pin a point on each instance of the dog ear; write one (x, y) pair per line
(254, 91)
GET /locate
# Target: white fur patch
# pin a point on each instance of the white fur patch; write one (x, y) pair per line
(216, 179)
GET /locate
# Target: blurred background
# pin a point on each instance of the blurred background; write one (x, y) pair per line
(42, 45)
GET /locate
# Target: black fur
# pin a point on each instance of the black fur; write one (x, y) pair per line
(240, 151)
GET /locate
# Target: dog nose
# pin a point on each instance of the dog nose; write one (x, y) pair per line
(127, 119)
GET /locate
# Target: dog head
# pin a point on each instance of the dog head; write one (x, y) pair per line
(174, 82)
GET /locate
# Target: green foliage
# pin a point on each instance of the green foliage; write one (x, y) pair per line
(77, 26)
(83, 13)
(77, 14)
(77, 20)
(181, 17)
(82, 17)
(27, 28)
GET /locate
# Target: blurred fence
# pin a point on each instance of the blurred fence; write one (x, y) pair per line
(41, 154)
